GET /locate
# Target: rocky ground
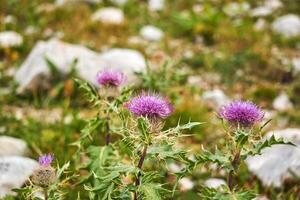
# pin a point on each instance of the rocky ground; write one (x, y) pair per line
(214, 52)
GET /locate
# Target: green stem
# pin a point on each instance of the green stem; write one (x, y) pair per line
(107, 129)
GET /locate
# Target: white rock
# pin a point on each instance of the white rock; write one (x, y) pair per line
(10, 39)
(31, 30)
(126, 60)
(233, 9)
(10, 146)
(273, 4)
(14, 171)
(186, 184)
(261, 11)
(109, 15)
(89, 62)
(282, 103)
(198, 8)
(296, 64)
(260, 25)
(151, 33)
(214, 182)
(276, 163)
(194, 80)
(156, 5)
(9, 19)
(268, 7)
(216, 97)
(119, 2)
(287, 25)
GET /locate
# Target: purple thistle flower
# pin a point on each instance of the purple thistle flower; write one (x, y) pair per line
(46, 160)
(150, 105)
(110, 78)
(243, 113)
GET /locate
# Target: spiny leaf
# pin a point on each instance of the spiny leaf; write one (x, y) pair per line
(143, 127)
(241, 137)
(189, 125)
(218, 157)
(258, 147)
(224, 194)
(150, 191)
(90, 91)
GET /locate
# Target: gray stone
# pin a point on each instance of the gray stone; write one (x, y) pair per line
(282, 103)
(14, 171)
(109, 15)
(10, 146)
(151, 33)
(277, 163)
(156, 5)
(89, 62)
(10, 39)
(216, 97)
(296, 64)
(287, 25)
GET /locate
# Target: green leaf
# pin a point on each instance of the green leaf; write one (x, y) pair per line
(108, 192)
(90, 92)
(52, 67)
(150, 191)
(91, 126)
(179, 128)
(143, 128)
(100, 158)
(189, 125)
(224, 194)
(166, 151)
(218, 157)
(241, 137)
(258, 147)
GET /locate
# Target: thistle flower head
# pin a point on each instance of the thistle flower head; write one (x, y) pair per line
(243, 113)
(150, 105)
(46, 160)
(110, 78)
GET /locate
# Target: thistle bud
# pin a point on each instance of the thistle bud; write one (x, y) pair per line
(45, 175)
(110, 81)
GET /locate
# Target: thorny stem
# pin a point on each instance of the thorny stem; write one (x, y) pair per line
(234, 163)
(107, 129)
(46, 193)
(140, 165)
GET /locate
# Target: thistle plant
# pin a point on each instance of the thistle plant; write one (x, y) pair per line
(244, 139)
(154, 109)
(47, 182)
(110, 81)
(118, 171)
(106, 100)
